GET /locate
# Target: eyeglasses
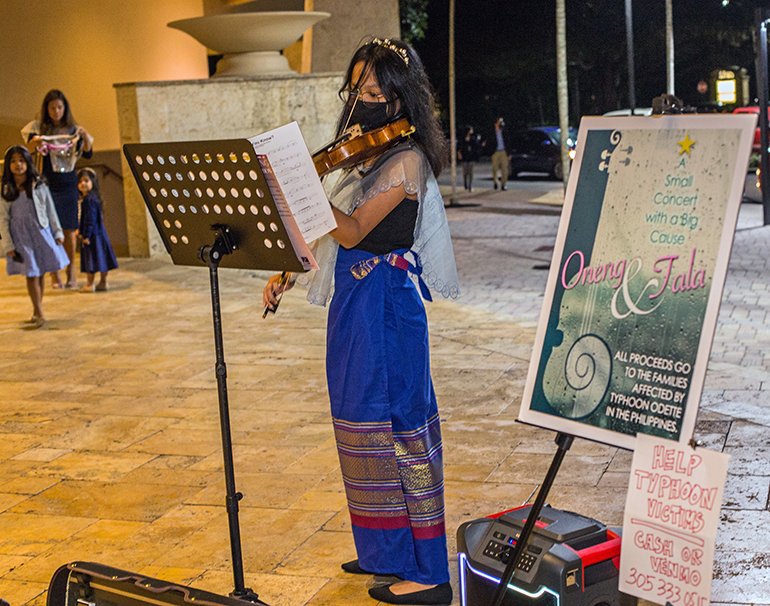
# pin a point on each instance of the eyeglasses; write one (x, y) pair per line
(368, 98)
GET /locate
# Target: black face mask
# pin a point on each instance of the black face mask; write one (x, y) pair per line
(370, 119)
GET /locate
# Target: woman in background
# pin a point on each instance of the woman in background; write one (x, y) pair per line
(56, 119)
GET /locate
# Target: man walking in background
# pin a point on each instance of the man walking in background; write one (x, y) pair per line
(500, 156)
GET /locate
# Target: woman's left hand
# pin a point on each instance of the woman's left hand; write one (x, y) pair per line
(37, 144)
(60, 241)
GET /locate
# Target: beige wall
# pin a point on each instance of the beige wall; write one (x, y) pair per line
(83, 47)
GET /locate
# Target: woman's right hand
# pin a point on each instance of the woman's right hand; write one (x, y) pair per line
(273, 289)
(36, 143)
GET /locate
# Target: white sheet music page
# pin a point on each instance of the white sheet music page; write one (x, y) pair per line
(293, 166)
(298, 242)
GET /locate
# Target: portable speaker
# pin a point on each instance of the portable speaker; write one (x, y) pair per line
(571, 560)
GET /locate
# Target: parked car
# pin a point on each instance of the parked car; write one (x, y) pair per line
(538, 150)
(638, 111)
(752, 190)
(757, 145)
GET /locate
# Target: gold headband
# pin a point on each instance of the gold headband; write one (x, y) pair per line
(386, 43)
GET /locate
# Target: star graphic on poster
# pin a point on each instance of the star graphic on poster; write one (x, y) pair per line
(686, 144)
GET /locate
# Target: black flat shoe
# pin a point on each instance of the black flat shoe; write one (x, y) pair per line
(440, 595)
(354, 568)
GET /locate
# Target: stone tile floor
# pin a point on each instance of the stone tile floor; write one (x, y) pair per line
(111, 450)
(109, 429)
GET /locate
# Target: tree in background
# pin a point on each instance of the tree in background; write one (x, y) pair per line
(414, 19)
(506, 54)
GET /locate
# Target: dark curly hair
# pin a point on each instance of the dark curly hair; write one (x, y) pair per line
(9, 189)
(406, 81)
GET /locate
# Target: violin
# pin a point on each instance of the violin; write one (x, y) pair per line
(355, 147)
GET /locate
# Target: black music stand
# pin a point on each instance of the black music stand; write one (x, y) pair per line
(191, 190)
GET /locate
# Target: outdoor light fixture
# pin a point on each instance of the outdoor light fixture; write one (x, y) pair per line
(726, 91)
(730, 86)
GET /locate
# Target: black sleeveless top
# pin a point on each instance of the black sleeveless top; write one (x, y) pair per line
(395, 231)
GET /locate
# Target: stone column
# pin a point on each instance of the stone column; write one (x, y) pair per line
(139, 227)
(336, 38)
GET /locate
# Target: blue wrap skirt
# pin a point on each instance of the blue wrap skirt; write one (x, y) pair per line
(385, 418)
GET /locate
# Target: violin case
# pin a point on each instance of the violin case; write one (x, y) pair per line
(89, 584)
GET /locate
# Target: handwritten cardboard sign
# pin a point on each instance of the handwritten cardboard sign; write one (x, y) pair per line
(637, 275)
(670, 522)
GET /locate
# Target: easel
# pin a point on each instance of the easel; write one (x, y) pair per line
(191, 190)
(563, 441)
(557, 329)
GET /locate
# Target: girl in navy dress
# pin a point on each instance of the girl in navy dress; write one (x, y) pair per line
(56, 119)
(31, 234)
(96, 254)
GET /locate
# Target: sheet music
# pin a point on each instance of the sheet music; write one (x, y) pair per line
(293, 167)
(287, 216)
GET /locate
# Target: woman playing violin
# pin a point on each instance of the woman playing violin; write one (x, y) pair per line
(391, 244)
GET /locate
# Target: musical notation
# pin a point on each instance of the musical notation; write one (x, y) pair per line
(281, 164)
(287, 146)
(309, 220)
(294, 191)
(292, 179)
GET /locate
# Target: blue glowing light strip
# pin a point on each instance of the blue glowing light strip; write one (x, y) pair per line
(462, 560)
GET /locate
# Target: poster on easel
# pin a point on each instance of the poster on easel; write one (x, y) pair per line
(637, 275)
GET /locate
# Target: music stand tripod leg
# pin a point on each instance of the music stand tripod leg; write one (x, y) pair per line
(212, 255)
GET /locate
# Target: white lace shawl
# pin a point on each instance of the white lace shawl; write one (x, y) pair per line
(404, 166)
